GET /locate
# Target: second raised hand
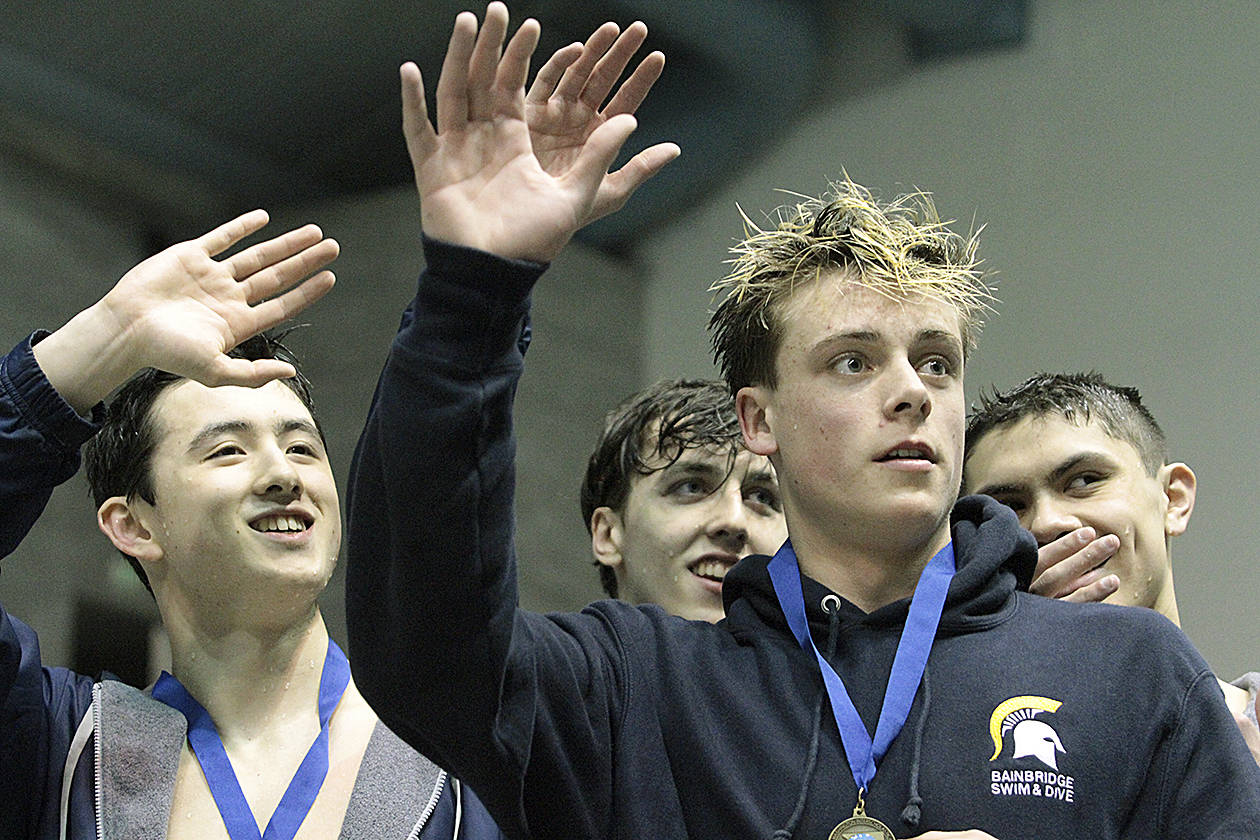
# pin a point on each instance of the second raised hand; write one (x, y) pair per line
(563, 108)
(181, 310)
(480, 182)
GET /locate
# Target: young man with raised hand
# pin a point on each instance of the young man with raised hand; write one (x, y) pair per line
(212, 479)
(844, 333)
(1085, 466)
(673, 500)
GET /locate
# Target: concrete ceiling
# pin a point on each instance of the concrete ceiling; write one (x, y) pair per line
(190, 110)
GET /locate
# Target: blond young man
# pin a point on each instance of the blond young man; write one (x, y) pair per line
(844, 333)
(1085, 466)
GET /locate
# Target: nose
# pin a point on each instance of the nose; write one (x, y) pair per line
(278, 476)
(728, 526)
(1049, 521)
(908, 397)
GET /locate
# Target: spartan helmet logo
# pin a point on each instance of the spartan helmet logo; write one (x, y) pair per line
(1032, 737)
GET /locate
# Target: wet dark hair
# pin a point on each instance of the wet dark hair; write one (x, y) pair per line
(1078, 398)
(118, 458)
(649, 431)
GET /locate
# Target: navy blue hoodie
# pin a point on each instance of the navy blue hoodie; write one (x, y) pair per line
(1035, 718)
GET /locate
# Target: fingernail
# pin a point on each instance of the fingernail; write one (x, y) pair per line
(1085, 535)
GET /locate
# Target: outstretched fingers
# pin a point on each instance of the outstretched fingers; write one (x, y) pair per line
(264, 254)
(575, 78)
(614, 62)
(550, 73)
(417, 131)
(277, 310)
(636, 88)
(452, 88)
(514, 65)
(483, 63)
(286, 269)
(229, 233)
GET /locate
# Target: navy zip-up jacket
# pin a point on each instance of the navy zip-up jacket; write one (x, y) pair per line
(1035, 719)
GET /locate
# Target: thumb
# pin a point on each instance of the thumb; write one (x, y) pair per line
(600, 150)
(226, 370)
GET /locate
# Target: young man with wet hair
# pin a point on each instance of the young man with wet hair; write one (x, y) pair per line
(1084, 465)
(673, 500)
(890, 609)
(211, 477)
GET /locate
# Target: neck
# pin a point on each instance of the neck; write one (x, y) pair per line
(1165, 602)
(868, 576)
(253, 680)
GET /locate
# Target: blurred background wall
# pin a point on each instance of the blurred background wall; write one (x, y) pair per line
(1110, 149)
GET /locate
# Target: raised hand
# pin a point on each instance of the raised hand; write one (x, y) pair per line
(1068, 568)
(182, 310)
(563, 109)
(480, 183)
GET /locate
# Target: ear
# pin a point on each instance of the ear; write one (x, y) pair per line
(607, 536)
(1179, 488)
(119, 520)
(752, 406)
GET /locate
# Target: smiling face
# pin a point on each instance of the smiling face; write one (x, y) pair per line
(1059, 476)
(685, 525)
(245, 503)
(865, 422)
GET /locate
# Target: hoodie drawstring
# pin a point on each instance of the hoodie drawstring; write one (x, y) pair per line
(913, 811)
(833, 628)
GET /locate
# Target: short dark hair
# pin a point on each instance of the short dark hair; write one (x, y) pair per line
(656, 424)
(1077, 398)
(119, 456)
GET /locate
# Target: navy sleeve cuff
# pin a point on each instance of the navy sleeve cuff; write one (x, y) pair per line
(24, 382)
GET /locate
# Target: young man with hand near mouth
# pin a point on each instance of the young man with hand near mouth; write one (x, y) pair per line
(1085, 466)
(843, 335)
(673, 500)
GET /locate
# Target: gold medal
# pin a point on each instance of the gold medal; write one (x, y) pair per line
(861, 827)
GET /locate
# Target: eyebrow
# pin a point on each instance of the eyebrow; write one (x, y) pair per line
(687, 464)
(1055, 474)
(939, 335)
(871, 336)
(1076, 460)
(762, 475)
(229, 427)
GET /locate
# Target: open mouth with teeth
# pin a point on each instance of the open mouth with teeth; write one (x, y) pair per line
(711, 569)
(910, 453)
(285, 523)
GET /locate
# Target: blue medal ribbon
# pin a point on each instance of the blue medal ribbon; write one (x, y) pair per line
(224, 786)
(863, 752)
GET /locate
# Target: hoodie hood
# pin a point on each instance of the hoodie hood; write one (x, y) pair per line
(994, 556)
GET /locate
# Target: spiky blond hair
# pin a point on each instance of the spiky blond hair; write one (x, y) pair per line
(900, 249)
